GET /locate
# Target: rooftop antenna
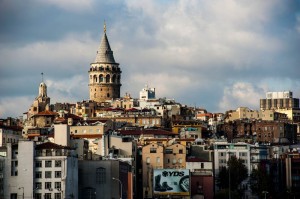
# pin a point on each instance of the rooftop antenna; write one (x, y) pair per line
(104, 28)
(42, 74)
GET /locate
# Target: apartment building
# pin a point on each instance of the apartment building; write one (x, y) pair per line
(42, 171)
(224, 150)
(282, 102)
(157, 156)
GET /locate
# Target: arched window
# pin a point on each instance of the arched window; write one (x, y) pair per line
(101, 78)
(107, 78)
(95, 78)
(113, 79)
(107, 95)
(118, 79)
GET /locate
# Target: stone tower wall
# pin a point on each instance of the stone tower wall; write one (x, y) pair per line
(104, 81)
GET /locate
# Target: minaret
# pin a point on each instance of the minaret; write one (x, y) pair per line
(104, 74)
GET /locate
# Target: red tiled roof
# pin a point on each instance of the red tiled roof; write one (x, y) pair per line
(132, 110)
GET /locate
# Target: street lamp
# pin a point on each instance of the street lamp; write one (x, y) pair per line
(265, 193)
(23, 191)
(120, 184)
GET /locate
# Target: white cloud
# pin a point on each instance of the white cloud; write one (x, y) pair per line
(167, 85)
(14, 106)
(61, 54)
(70, 89)
(241, 94)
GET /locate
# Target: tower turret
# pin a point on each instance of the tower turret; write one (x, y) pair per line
(104, 73)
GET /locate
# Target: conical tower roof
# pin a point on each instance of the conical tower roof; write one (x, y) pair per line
(104, 53)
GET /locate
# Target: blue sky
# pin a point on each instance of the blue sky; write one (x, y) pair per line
(218, 55)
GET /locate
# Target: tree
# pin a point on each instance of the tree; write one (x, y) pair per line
(260, 180)
(238, 173)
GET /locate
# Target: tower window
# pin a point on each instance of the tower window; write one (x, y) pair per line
(107, 78)
(107, 94)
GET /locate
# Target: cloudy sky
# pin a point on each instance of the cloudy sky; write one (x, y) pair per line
(217, 54)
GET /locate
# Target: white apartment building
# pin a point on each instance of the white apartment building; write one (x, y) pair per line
(40, 171)
(224, 150)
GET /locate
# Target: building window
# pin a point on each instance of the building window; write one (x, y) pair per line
(38, 164)
(38, 174)
(57, 185)
(48, 152)
(58, 153)
(57, 174)
(152, 150)
(57, 163)
(48, 174)
(37, 196)
(243, 154)
(48, 185)
(57, 196)
(38, 185)
(48, 163)
(148, 160)
(168, 151)
(181, 151)
(47, 195)
(100, 175)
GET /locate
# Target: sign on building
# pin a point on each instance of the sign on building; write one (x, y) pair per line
(171, 182)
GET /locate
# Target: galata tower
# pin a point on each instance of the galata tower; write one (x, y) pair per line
(104, 74)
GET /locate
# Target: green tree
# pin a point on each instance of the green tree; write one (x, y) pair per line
(260, 180)
(238, 173)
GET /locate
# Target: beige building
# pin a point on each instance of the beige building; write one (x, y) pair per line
(245, 112)
(41, 102)
(157, 156)
(91, 130)
(37, 115)
(104, 74)
(152, 158)
(241, 113)
(282, 102)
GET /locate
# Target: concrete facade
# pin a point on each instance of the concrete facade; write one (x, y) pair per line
(41, 171)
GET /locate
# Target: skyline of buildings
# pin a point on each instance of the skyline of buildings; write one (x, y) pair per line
(114, 145)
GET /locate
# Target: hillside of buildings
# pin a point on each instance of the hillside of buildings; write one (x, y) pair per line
(110, 146)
